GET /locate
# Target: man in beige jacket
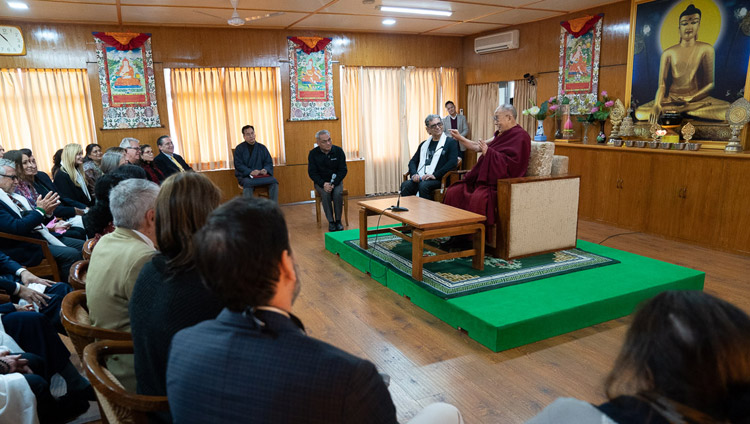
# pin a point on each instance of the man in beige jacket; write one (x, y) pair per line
(116, 262)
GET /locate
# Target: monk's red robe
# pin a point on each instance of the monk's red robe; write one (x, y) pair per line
(507, 157)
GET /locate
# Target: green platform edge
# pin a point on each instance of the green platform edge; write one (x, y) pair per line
(513, 316)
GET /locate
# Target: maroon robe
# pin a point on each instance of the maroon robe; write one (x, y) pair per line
(507, 157)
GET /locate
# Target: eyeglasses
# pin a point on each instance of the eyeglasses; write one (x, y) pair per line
(433, 126)
(496, 118)
(132, 148)
(12, 177)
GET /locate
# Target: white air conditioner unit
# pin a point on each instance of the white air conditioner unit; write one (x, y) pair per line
(496, 42)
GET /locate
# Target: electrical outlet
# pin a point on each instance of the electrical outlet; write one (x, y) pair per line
(312, 194)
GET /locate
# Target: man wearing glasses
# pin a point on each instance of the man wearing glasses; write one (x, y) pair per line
(434, 157)
(132, 149)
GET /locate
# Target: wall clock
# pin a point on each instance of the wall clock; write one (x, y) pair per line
(11, 41)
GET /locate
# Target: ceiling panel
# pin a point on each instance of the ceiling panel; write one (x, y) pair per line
(461, 11)
(363, 23)
(247, 5)
(186, 16)
(56, 12)
(519, 16)
(466, 29)
(569, 5)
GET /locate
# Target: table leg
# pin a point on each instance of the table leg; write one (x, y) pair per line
(478, 261)
(363, 228)
(417, 248)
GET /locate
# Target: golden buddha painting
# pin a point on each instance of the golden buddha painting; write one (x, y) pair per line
(690, 58)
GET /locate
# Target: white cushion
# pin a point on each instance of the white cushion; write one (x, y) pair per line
(540, 161)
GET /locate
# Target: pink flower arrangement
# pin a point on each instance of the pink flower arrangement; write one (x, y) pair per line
(609, 103)
(553, 108)
(594, 109)
(604, 94)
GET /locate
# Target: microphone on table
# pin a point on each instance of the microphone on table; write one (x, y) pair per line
(398, 207)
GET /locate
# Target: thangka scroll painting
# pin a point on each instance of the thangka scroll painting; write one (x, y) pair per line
(311, 79)
(126, 79)
(580, 45)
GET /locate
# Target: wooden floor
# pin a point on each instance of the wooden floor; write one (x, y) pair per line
(430, 361)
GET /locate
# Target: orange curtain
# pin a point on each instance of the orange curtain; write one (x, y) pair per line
(45, 109)
(351, 118)
(482, 100)
(449, 89)
(209, 106)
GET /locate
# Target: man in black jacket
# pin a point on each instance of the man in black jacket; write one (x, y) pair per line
(425, 170)
(326, 166)
(167, 161)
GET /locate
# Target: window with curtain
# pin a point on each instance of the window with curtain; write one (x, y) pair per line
(45, 109)
(209, 106)
(383, 112)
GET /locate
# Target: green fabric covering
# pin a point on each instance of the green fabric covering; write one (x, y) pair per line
(524, 313)
(452, 278)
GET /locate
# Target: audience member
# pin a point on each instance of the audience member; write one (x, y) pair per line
(253, 165)
(169, 294)
(685, 360)
(454, 121)
(505, 156)
(91, 164)
(26, 171)
(98, 220)
(18, 217)
(147, 163)
(167, 160)
(56, 162)
(70, 181)
(326, 166)
(425, 171)
(112, 159)
(132, 149)
(2, 151)
(263, 365)
(116, 262)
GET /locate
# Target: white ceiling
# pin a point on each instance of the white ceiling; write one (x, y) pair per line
(469, 16)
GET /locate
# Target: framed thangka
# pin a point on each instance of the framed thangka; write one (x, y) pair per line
(311, 79)
(126, 79)
(689, 58)
(578, 71)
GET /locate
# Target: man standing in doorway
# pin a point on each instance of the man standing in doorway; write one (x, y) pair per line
(253, 165)
(326, 166)
(454, 121)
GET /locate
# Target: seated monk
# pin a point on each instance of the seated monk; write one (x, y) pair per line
(505, 156)
(686, 76)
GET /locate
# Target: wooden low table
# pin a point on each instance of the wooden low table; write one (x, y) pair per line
(426, 220)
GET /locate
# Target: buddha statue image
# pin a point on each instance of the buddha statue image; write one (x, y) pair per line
(686, 76)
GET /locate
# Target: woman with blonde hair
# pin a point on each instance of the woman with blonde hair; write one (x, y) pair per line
(70, 180)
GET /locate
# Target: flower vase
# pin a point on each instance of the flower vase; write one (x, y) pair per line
(586, 125)
(567, 131)
(558, 126)
(539, 136)
(601, 138)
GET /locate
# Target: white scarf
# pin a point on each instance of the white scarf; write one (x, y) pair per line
(429, 169)
(41, 229)
(82, 183)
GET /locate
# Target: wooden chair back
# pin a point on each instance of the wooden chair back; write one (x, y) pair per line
(48, 266)
(345, 195)
(75, 319)
(117, 404)
(77, 275)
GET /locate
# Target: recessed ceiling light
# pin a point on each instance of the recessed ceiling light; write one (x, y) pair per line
(389, 21)
(415, 11)
(17, 5)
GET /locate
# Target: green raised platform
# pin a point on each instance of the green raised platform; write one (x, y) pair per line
(525, 313)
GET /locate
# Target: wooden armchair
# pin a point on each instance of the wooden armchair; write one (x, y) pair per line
(449, 178)
(75, 319)
(88, 247)
(117, 404)
(48, 266)
(77, 274)
(537, 213)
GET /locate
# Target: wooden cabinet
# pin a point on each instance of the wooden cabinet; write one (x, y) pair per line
(700, 197)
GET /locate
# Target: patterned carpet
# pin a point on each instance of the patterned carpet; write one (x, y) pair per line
(455, 277)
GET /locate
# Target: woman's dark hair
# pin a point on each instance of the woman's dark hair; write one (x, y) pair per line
(56, 162)
(99, 216)
(182, 207)
(239, 249)
(89, 149)
(691, 349)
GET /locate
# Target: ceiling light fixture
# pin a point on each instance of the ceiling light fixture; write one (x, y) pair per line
(389, 21)
(18, 5)
(415, 11)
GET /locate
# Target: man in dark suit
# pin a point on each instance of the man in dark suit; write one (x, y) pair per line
(254, 362)
(167, 161)
(433, 158)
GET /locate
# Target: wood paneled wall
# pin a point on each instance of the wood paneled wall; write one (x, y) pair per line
(224, 47)
(538, 54)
